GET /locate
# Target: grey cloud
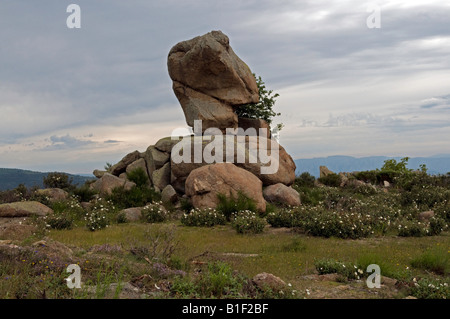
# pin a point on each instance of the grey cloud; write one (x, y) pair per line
(354, 120)
(66, 142)
(436, 102)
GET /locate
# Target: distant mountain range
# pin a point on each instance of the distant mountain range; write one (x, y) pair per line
(10, 178)
(438, 164)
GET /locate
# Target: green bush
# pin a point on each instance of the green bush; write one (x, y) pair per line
(347, 271)
(435, 260)
(231, 204)
(58, 180)
(305, 180)
(219, 280)
(246, 222)
(311, 196)
(332, 180)
(70, 208)
(410, 228)
(155, 213)
(284, 217)
(203, 217)
(324, 223)
(139, 177)
(84, 193)
(133, 197)
(430, 289)
(425, 196)
(101, 215)
(442, 210)
(437, 226)
(59, 221)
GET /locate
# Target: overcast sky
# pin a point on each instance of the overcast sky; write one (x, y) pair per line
(73, 99)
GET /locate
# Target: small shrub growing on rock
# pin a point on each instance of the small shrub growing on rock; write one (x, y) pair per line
(203, 217)
(139, 177)
(246, 222)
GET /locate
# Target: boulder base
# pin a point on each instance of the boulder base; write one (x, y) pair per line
(205, 183)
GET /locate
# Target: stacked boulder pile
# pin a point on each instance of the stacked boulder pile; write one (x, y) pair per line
(210, 81)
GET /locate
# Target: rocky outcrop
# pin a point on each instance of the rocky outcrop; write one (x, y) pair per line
(24, 209)
(205, 183)
(139, 164)
(161, 177)
(324, 171)
(53, 194)
(108, 182)
(259, 125)
(211, 82)
(251, 154)
(169, 194)
(282, 194)
(120, 167)
(132, 214)
(266, 281)
(209, 79)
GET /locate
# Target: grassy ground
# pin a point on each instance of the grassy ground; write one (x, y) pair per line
(282, 252)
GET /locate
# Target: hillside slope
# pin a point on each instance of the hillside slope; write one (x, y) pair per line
(11, 177)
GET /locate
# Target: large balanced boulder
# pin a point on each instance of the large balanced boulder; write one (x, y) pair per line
(282, 194)
(24, 209)
(205, 183)
(209, 79)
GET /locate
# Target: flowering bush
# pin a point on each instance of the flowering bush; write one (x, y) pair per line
(99, 216)
(154, 213)
(246, 221)
(430, 289)
(348, 271)
(415, 228)
(203, 217)
(59, 221)
(285, 217)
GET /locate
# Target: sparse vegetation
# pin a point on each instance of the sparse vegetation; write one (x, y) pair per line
(336, 230)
